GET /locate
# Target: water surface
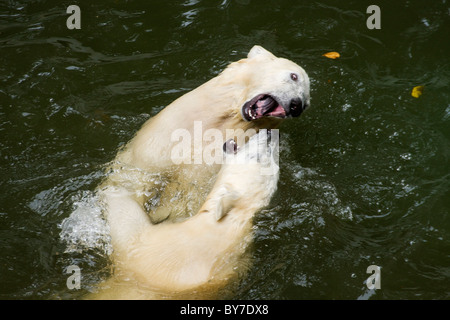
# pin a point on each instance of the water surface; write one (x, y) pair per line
(364, 173)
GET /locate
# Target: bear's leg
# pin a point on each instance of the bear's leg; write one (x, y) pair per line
(125, 216)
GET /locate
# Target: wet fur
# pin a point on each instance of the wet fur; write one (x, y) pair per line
(183, 256)
(195, 258)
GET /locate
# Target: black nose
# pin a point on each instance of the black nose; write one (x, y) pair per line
(230, 146)
(296, 107)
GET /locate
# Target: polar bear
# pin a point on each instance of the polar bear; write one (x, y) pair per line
(256, 92)
(198, 257)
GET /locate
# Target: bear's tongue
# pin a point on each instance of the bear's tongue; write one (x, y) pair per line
(269, 107)
(277, 112)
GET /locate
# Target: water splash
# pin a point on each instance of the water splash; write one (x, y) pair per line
(86, 227)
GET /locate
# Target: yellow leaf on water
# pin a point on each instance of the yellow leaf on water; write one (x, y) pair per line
(417, 91)
(332, 55)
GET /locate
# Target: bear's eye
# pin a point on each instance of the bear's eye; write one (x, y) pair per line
(294, 76)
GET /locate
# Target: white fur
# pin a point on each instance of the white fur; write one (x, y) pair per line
(218, 105)
(199, 256)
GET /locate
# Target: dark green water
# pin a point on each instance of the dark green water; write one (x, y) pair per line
(364, 173)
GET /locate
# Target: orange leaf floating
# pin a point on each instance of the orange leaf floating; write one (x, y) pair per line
(332, 55)
(417, 91)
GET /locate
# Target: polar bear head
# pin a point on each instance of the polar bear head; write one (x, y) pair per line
(248, 178)
(272, 88)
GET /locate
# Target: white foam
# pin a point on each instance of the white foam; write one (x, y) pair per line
(86, 227)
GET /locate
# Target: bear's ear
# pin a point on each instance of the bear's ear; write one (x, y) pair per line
(220, 203)
(225, 203)
(258, 51)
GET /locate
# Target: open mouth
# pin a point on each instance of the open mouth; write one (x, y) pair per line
(262, 105)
